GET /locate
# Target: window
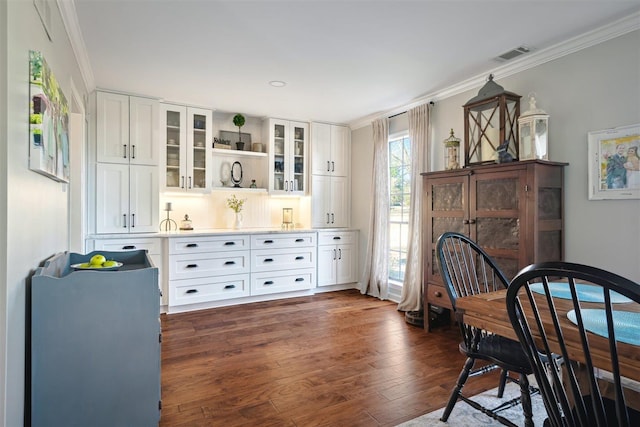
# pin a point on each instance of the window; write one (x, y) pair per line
(399, 205)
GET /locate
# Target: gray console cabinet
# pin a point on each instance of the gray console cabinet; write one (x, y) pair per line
(94, 343)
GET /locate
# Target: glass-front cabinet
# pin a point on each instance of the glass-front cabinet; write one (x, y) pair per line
(187, 154)
(288, 156)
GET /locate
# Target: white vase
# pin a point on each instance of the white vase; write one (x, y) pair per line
(238, 223)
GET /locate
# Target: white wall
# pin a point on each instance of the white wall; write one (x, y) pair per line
(37, 217)
(592, 89)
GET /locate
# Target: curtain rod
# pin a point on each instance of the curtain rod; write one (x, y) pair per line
(403, 112)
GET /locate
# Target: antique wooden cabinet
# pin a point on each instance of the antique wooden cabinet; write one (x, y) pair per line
(513, 210)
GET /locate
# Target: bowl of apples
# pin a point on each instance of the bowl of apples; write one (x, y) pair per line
(98, 262)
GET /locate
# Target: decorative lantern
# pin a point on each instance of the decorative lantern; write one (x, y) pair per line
(287, 218)
(451, 147)
(533, 127)
(490, 120)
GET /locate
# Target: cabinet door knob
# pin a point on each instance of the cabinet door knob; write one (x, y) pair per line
(133, 220)
(339, 253)
(472, 221)
(133, 151)
(192, 245)
(127, 247)
(230, 263)
(328, 166)
(268, 282)
(268, 242)
(438, 294)
(191, 291)
(299, 279)
(230, 286)
(124, 217)
(299, 240)
(268, 260)
(333, 166)
(229, 243)
(125, 151)
(192, 265)
(465, 221)
(336, 237)
(300, 257)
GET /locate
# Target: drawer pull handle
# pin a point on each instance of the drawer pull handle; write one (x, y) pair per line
(268, 260)
(438, 294)
(336, 237)
(229, 263)
(192, 265)
(192, 291)
(299, 240)
(192, 245)
(230, 286)
(128, 247)
(268, 282)
(268, 242)
(229, 243)
(299, 279)
(298, 258)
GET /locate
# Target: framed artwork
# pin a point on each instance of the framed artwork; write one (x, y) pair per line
(614, 163)
(48, 122)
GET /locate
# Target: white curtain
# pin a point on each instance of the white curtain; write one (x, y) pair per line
(411, 299)
(375, 277)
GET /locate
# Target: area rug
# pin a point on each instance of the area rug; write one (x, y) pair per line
(464, 415)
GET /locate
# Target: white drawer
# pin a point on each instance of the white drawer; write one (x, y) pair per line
(277, 240)
(282, 281)
(189, 266)
(193, 291)
(193, 245)
(283, 259)
(336, 237)
(153, 246)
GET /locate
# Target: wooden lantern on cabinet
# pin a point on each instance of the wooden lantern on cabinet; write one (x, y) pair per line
(490, 119)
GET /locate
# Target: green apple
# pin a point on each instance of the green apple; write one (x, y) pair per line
(85, 265)
(97, 260)
(109, 264)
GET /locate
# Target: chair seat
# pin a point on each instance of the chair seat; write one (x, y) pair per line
(503, 351)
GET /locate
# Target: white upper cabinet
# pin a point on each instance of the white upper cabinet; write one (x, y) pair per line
(186, 141)
(331, 149)
(127, 129)
(288, 156)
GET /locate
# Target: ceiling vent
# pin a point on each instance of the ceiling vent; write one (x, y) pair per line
(513, 53)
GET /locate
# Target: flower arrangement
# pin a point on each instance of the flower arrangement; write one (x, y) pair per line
(235, 203)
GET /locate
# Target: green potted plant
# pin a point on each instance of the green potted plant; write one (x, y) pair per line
(238, 120)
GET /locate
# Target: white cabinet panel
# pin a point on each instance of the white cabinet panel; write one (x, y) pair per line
(190, 266)
(206, 289)
(330, 203)
(337, 257)
(282, 241)
(288, 156)
(282, 281)
(186, 245)
(270, 260)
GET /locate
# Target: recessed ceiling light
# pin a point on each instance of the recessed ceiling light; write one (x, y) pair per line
(277, 83)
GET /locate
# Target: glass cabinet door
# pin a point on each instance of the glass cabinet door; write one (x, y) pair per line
(198, 175)
(299, 148)
(279, 157)
(174, 149)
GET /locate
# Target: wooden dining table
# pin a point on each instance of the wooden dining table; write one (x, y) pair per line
(488, 311)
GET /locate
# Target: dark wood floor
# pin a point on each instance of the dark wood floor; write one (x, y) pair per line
(333, 359)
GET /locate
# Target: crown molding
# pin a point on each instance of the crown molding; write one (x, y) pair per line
(591, 38)
(72, 26)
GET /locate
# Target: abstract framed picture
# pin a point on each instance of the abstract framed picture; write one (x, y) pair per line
(614, 163)
(48, 122)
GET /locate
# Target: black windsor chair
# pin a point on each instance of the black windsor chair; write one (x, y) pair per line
(551, 303)
(468, 270)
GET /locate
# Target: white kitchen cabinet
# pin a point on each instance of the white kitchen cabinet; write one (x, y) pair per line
(153, 246)
(337, 257)
(283, 262)
(206, 269)
(330, 149)
(127, 129)
(288, 155)
(126, 198)
(186, 143)
(330, 202)
(330, 181)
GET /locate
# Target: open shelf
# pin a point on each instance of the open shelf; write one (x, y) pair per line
(235, 153)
